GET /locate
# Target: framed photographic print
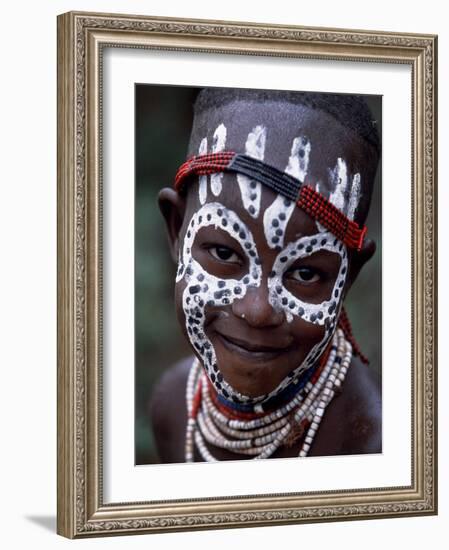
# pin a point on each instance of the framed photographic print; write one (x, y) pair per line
(246, 274)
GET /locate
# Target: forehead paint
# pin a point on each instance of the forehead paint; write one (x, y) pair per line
(218, 144)
(345, 197)
(339, 179)
(202, 188)
(298, 161)
(204, 290)
(354, 196)
(277, 216)
(250, 190)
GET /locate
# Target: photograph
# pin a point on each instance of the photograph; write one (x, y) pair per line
(258, 300)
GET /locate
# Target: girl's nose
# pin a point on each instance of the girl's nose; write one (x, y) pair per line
(256, 309)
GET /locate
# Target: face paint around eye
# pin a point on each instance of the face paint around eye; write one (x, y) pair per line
(321, 314)
(204, 289)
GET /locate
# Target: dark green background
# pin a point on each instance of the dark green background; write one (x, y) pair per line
(163, 120)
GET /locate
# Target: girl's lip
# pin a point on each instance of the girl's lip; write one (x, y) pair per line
(249, 349)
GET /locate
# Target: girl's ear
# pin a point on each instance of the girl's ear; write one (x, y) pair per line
(172, 206)
(358, 260)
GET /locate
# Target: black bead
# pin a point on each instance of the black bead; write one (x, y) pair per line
(275, 222)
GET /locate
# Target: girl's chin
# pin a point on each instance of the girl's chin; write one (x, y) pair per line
(251, 373)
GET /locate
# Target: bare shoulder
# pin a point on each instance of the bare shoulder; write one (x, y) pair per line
(167, 410)
(353, 420)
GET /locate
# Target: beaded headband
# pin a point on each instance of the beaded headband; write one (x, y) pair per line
(313, 203)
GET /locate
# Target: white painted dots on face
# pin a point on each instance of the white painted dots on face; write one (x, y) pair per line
(250, 189)
(206, 290)
(277, 216)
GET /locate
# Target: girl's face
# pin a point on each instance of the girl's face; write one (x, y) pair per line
(258, 295)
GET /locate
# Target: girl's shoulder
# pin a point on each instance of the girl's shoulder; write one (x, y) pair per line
(353, 420)
(167, 411)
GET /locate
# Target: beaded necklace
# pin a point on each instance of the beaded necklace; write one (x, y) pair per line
(259, 437)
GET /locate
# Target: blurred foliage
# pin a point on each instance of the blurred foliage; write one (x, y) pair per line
(163, 117)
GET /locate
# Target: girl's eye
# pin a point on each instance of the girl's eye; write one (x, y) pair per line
(224, 254)
(304, 275)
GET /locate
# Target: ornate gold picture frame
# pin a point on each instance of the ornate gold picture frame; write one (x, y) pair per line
(83, 468)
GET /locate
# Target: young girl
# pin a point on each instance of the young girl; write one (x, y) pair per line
(266, 221)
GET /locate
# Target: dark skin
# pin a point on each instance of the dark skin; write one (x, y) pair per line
(255, 345)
